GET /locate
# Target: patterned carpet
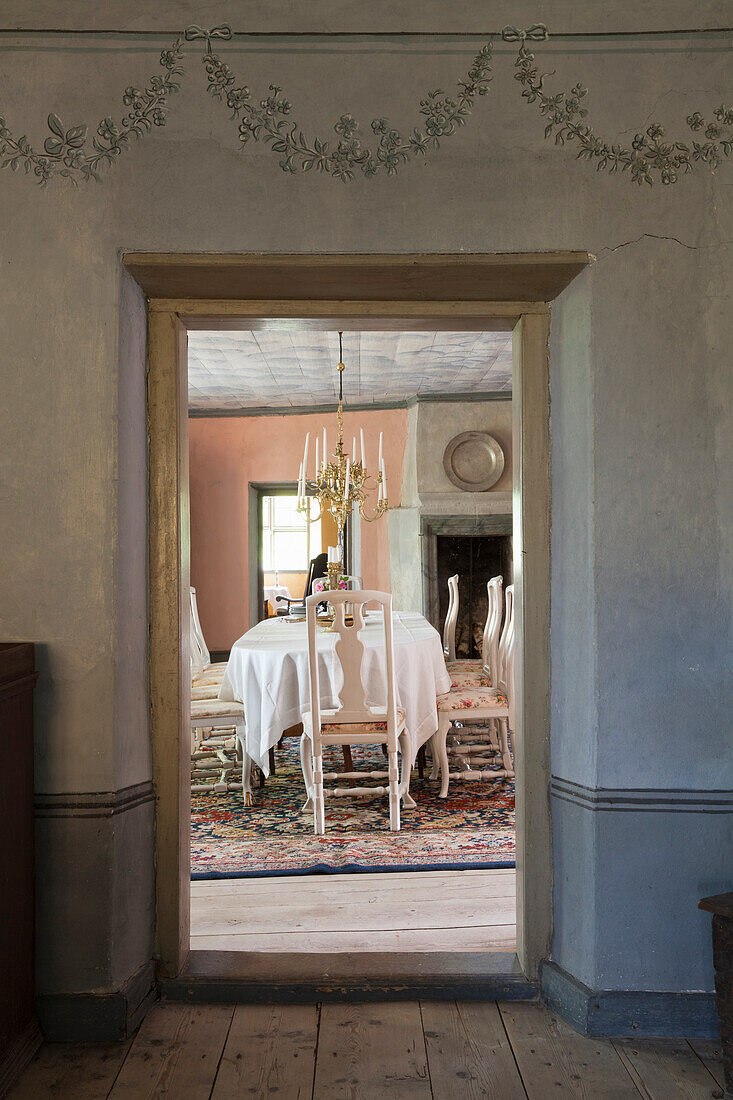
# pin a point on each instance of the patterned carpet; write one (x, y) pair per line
(472, 828)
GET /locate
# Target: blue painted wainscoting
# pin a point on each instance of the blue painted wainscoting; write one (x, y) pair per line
(631, 952)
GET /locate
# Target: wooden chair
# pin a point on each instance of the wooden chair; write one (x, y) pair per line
(451, 618)
(317, 568)
(202, 670)
(218, 735)
(354, 722)
(477, 703)
(478, 672)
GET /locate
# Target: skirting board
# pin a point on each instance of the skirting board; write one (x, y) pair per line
(627, 1012)
(98, 1017)
(18, 1055)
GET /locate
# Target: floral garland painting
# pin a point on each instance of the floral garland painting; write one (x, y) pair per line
(651, 157)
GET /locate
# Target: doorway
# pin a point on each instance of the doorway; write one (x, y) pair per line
(443, 290)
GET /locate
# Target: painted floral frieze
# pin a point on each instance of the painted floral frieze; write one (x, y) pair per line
(72, 153)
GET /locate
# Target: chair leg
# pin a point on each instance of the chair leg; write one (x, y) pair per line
(394, 793)
(441, 751)
(435, 769)
(246, 766)
(272, 758)
(408, 802)
(348, 762)
(319, 813)
(306, 764)
(421, 762)
(506, 756)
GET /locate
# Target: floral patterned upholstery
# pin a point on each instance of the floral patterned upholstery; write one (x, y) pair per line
(205, 691)
(467, 674)
(205, 679)
(205, 709)
(473, 699)
(361, 727)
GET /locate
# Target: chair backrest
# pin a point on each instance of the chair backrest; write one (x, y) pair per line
(200, 656)
(451, 618)
(350, 654)
(505, 681)
(317, 568)
(492, 630)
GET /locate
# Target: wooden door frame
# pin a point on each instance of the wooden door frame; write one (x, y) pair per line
(435, 292)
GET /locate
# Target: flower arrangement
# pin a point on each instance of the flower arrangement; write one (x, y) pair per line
(322, 584)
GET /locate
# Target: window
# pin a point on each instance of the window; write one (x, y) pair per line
(289, 538)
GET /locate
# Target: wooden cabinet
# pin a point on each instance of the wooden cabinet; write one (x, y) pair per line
(19, 1033)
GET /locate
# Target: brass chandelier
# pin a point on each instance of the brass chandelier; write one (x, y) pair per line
(341, 482)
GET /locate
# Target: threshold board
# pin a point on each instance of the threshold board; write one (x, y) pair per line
(248, 977)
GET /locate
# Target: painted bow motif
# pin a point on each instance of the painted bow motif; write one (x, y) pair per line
(651, 157)
(194, 33)
(538, 32)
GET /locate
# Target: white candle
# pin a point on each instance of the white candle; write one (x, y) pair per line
(301, 489)
(346, 480)
(384, 481)
(325, 449)
(363, 453)
(305, 456)
(317, 441)
(353, 451)
(379, 460)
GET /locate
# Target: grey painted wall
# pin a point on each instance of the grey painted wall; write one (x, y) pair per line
(641, 421)
(427, 489)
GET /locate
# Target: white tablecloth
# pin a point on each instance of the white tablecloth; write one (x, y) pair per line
(268, 673)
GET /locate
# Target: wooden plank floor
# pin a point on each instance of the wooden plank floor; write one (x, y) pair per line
(406, 1051)
(395, 911)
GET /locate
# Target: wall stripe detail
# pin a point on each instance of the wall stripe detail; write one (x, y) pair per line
(643, 800)
(94, 803)
(353, 406)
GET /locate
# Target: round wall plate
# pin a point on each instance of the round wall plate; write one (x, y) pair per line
(474, 461)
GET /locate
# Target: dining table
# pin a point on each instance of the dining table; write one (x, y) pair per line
(268, 673)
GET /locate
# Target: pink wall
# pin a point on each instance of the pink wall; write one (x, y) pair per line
(226, 453)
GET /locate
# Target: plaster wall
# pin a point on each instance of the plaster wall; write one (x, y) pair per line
(427, 489)
(641, 409)
(226, 454)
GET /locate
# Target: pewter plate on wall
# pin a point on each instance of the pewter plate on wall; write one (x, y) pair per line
(474, 461)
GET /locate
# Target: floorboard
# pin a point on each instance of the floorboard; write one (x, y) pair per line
(176, 1053)
(401, 1051)
(667, 1069)
(382, 915)
(425, 911)
(554, 1060)
(270, 1051)
(86, 1071)
(500, 882)
(711, 1055)
(371, 1052)
(469, 1055)
(495, 938)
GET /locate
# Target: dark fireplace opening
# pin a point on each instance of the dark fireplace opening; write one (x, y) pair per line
(476, 559)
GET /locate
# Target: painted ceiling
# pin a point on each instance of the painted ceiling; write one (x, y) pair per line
(273, 369)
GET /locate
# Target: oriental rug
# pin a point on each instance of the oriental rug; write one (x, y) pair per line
(472, 829)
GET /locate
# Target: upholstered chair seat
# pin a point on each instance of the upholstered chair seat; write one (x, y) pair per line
(472, 699)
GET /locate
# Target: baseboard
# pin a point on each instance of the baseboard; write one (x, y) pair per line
(18, 1055)
(98, 1017)
(622, 1012)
